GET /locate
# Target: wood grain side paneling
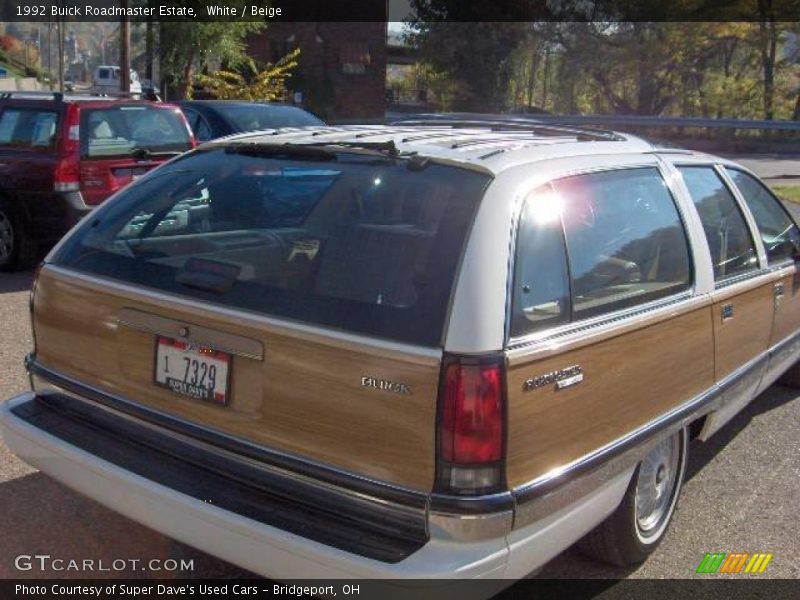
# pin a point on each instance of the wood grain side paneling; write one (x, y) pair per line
(787, 309)
(628, 380)
(304, 398)
(746, 334)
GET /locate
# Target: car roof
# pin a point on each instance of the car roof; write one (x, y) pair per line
(216, 103)
(488, 147)
(84, 99)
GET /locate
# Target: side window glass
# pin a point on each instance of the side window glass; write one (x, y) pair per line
(202, 132)
(625, 239)
(200, 128)
(729, 239)
(541, 282)
(8, 123)
(28, 128)
(778, 231)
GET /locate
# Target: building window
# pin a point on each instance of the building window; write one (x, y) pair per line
(354, 58)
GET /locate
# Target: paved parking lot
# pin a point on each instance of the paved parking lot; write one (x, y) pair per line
(741, 494)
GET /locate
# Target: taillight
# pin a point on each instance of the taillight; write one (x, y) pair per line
(68, 167)
(471, 425)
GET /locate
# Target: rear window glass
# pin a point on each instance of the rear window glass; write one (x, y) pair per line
(252, 117)
(28, 128)
(133, 130)
(360, 243)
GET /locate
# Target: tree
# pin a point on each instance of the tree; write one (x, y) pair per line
(266, 84)
(476, 56)
(186, 46)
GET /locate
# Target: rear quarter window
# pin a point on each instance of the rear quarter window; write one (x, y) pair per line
(358, 243)
(596, 243)
(28, 128)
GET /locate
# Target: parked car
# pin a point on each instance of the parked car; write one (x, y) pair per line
(211, 119)
(408, 351)
(60, 156)
(106, 80)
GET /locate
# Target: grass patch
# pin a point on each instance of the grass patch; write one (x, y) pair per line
(789, 193)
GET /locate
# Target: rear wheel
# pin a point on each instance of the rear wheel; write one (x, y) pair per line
(638, 525)
(17, 250)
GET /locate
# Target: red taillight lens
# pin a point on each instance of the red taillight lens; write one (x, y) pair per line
(67, 176)
(471, 430)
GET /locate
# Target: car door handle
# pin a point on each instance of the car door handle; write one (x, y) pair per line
(779, 290)
(727, 312)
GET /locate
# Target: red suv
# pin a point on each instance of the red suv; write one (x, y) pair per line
(61, 155)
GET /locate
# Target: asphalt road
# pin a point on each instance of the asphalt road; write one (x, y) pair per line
(741, 494)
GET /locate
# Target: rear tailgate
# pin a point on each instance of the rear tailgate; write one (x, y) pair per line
(304, 304)
(304, 397)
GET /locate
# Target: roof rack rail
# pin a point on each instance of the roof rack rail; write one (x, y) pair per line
(501, 123)
(57, 96)
(505, 139)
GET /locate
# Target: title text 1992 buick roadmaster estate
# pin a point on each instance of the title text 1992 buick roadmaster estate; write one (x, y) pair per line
(407, 351)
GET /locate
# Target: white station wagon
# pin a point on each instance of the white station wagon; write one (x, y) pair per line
(447, 350)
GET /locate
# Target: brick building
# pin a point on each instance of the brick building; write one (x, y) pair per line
(341, 73)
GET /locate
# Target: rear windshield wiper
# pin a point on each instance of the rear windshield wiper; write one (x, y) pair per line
(292, 151)
(143, 153)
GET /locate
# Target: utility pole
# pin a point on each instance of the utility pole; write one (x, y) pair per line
(148, 50)
(50, 53)
(124, 51)
(61, 54)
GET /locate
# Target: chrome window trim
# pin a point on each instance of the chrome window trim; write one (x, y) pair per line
(536, 337)
(666, 305)
(741, 278)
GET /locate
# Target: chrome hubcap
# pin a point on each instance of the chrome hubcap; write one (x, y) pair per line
(655, 486)
(6, 237)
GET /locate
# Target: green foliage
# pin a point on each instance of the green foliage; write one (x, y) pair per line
(252, 84)
(187, 47)
(476, 56)
(720, 69)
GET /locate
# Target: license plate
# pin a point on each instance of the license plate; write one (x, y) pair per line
(195, 371)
